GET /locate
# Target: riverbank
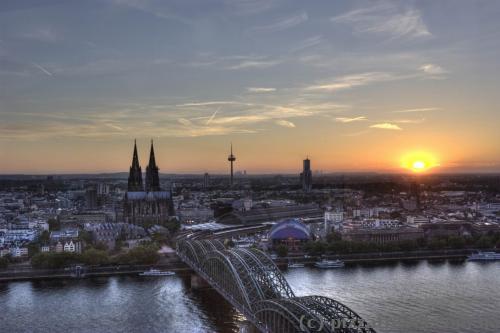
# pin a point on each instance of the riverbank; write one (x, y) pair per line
(176, 265)
(79, 272)
(382, 257)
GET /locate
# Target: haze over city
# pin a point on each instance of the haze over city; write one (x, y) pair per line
(355, 85)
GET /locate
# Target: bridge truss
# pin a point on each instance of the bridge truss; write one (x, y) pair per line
(252, 283)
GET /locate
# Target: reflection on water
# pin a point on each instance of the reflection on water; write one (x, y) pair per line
(416, 297)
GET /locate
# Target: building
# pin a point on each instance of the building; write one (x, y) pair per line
(333, 221)
(271, 214)
(206, 181)
(306, 176)
(290, 232)
(149, 205)
(91, 198)
(383, 236)
(17, 252)
(231, 158)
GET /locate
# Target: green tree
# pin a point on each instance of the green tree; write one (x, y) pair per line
(456, 242)
(44, 237)
(54, 224)
(33, 248)
(334, 237)
(54, 260)
(101, 246)
(85, 236)
(282, 250)
(4, 263)
(229, 243)
(173, 225)
(95, 257)
(484, 242)
(142, 254)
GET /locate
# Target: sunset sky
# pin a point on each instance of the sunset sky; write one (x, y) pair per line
(354, 85)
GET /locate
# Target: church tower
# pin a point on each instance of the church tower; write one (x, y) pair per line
(135, 174)
(152, 175)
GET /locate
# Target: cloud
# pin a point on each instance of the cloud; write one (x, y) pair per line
(233, 62)
(285, 123)
(409, 121)
(260, 90)
(249, 7)
(283, 24)
(308, 43)
(157, 9)
(417, 110)
(185, 122)
(254, 64)
(188, 119)
(45, 34)
(350, 120)
(387, 126)
(387, 19)
(355, 80)
(433, 69)
(209, 103)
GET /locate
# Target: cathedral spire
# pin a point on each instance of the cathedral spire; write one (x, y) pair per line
(152, 174)
(135, 174)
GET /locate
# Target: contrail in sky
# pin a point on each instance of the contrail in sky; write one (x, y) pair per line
(213, 116)
(42, 69)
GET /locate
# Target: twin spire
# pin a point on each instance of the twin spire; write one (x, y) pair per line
(152, 173)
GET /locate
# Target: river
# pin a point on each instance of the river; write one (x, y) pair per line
(445, 297)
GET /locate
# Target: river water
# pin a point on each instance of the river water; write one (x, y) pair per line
(430, 297)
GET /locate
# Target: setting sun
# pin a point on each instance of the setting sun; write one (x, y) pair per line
(418, 165)
(419, 161)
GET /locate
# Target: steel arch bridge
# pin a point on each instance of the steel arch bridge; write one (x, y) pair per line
(252, 283)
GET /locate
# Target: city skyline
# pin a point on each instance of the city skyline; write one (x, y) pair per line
(356, 86)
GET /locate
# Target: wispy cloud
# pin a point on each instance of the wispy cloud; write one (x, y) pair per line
(44, 34)
(387, 126)
(233, 62)
(409, 121)
(260, 89)
(350, 120)
(308, 43)
(433, 70)
(285, 123)
(248, 7)
(386, 18)
(209, 103)
(283, 23)
(155, 8)
(417, 110)
(355, 80)
(254, 64)
(42, 69)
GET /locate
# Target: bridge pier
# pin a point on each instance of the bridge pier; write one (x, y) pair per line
(197, 282)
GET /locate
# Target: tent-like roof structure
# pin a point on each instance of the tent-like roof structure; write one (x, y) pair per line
(291, 228)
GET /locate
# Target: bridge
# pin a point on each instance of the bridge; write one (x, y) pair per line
(251, 282)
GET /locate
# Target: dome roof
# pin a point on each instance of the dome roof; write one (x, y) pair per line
(291, 228)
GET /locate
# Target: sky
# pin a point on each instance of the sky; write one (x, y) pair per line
(353, 85)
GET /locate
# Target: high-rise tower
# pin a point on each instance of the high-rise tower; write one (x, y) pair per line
(306, 175)
(152, 175)
(135, 174)
(231, 158)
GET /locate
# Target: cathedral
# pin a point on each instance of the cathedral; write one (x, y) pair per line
(148, 204)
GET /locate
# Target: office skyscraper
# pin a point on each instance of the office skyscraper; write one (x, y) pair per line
(306, 175)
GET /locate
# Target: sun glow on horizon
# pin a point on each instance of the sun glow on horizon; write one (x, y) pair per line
(419, 161)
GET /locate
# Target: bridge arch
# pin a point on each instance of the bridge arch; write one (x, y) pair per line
(221, 271)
